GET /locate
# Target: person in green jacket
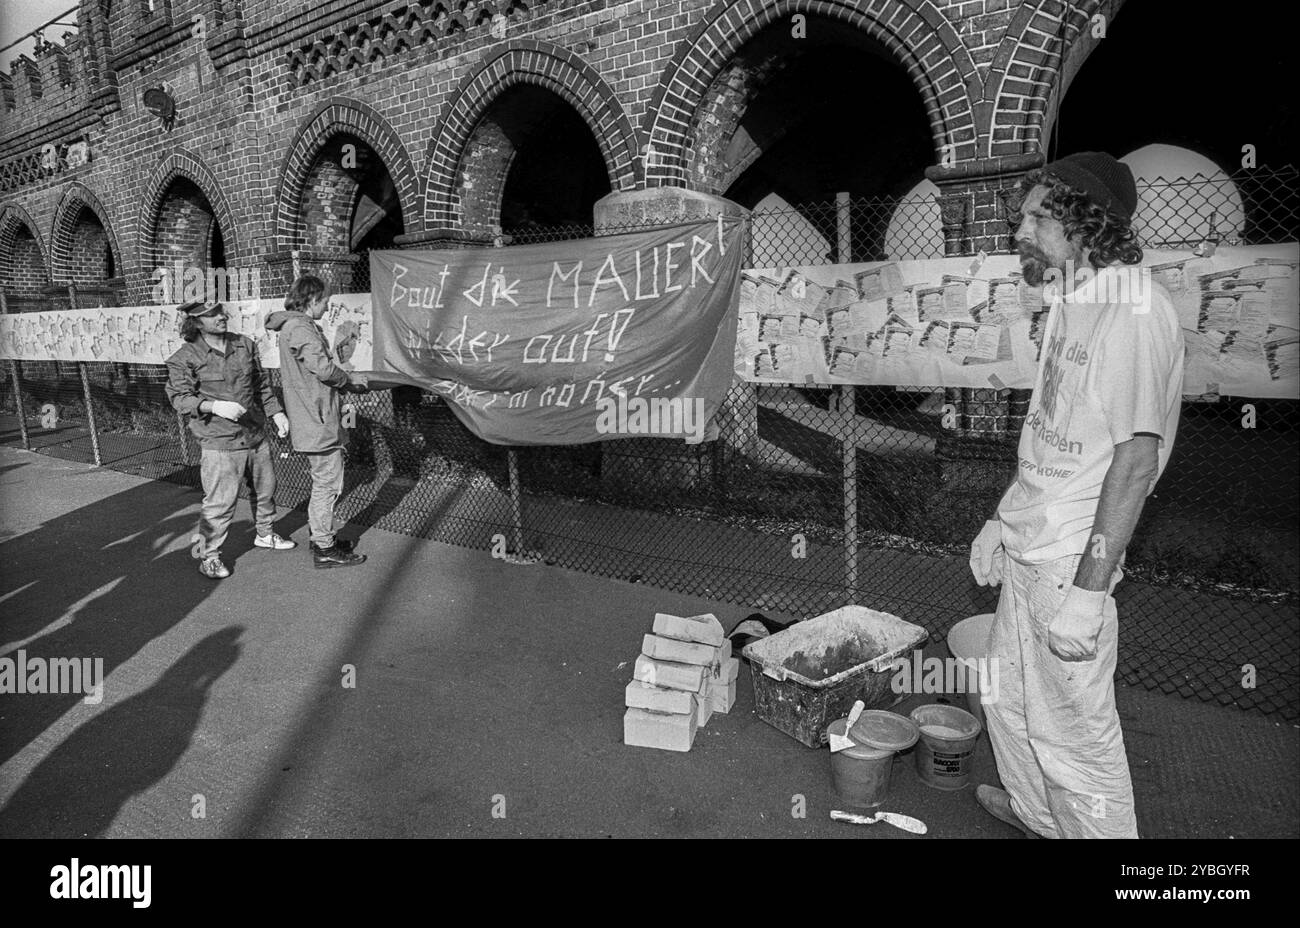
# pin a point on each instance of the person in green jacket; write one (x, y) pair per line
(216, 381)
(313, 384)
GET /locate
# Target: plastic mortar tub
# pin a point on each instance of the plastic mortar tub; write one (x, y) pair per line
(811, 673)
(861, 773)
(968, 640)
(947, 743)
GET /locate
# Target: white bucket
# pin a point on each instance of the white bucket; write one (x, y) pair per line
(967, 640)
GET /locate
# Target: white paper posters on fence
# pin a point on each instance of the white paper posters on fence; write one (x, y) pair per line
(150, 334)
(941, 323)
(907, 323)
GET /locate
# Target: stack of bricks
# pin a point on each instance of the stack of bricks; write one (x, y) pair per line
(684, 674)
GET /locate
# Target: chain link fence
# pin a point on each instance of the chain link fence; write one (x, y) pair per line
(812, 497)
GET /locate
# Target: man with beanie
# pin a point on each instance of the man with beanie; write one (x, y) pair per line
(1099, 432)
(312, 385)
(216, 381)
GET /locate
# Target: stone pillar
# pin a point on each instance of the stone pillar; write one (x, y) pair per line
(954, 208)
(677, 463)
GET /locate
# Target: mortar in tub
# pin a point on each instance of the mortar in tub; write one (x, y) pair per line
(810, 674)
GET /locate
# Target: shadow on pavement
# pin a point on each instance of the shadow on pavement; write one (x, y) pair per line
(96, 582)
(62, 798)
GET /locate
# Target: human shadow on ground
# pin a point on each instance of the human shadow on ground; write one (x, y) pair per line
(78, 788)
(96, 582)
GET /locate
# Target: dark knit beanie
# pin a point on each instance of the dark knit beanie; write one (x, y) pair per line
(1106, 181)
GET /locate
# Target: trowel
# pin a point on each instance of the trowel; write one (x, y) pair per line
(905, 822)
(840, 742)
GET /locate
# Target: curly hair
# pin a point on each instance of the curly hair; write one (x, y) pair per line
(305, 289)
(190, 327)
(1110, 237)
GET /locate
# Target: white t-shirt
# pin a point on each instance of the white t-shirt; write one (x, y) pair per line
(1109, 369)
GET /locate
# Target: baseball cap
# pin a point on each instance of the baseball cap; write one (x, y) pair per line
(199, 308)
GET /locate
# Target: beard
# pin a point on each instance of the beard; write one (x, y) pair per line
(1034, 265)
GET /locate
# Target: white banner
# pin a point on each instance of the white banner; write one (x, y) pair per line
(150, 334)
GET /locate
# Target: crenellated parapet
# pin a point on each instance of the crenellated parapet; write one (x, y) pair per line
(50, 100)
(60, 78)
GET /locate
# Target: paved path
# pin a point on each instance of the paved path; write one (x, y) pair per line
(474, 679)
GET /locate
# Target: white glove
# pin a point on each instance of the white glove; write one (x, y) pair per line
(986, 554)
(1075, 629)
(227, 409)
(281, 424)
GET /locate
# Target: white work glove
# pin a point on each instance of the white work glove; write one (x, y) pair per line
(227, 409)
(281, 424)
(986, 554)
(1073, 632)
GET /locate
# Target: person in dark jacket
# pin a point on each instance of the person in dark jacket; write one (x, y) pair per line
(313, 384)
(216, 381)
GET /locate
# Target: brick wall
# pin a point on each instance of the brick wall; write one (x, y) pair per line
(184, 226)
(260, 95)
(24, 272)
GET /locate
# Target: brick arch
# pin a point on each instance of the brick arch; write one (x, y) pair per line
(12, 218)
(181, 165)
(77, 196)
(335, 116)
(1028, 76)
(541, 64)
(911, 32)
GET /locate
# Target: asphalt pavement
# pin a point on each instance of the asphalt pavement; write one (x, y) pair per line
(437, 691)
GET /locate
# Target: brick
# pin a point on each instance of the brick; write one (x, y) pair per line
(673, 676)
(702, 628)
(656, 730)
(640, 695)
(722, 696)
(684, 652)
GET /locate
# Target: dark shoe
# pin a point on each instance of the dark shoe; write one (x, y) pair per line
(213, 569)
(343, 544)
(334, 556)
(997, 803)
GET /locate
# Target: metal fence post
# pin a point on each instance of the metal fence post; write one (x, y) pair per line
(512, 461)
(516, 502)
(18, 406)
(85, 389)
(18, 387)
(90, 413)
(184, 440)
(847, 412)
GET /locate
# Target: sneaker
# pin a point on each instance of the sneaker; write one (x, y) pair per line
(334, 556)
(997, 803)
(213, 569)
(274, 541)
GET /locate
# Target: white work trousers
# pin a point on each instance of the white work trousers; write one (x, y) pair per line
(1054, 727)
